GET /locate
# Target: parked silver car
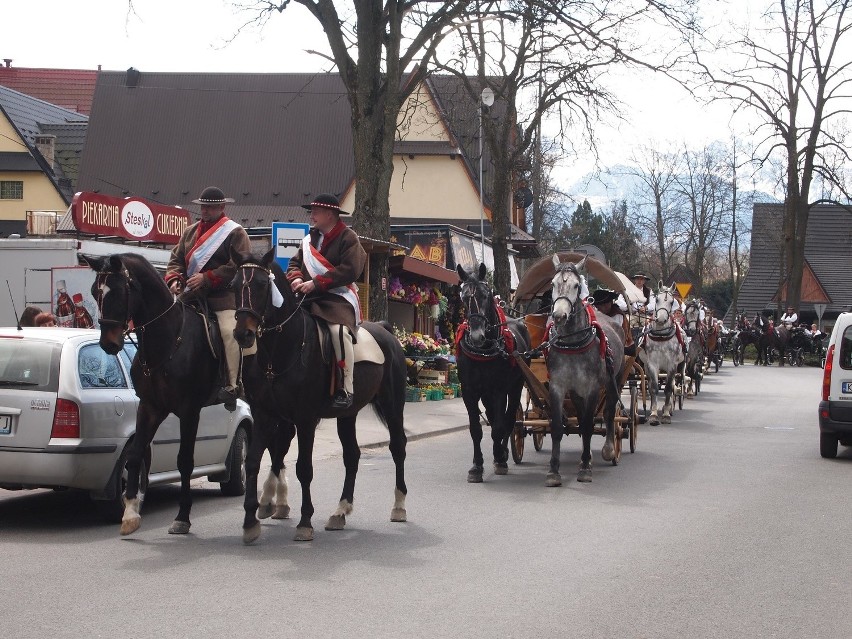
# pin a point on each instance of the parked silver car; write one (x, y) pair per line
(68, 412)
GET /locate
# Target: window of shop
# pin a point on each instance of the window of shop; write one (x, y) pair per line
(11, 190)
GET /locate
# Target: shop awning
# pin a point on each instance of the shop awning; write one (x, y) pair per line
(407, 264)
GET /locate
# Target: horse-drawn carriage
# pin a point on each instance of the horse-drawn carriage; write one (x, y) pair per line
(535, 413)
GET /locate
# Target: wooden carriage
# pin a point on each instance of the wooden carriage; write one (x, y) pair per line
(534, 413)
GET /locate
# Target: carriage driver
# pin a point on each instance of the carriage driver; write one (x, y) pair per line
(201, 265)
(610, 303)
(640, 308)
(326, 266)
(790, 317)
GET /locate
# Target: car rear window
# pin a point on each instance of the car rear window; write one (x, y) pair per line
(97, 369)
(846, 348)
(29, 364)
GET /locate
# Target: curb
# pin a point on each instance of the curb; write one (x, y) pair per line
(417, 436)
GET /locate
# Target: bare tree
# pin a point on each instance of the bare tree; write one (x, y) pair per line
(545, 59)
(794, 73)
(738, 229)
(706, 194)
(382, 50)
(659, 212)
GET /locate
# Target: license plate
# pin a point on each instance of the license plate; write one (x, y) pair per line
(5, 424)
(845, 387)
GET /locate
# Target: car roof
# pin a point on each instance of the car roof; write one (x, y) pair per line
(52, 334)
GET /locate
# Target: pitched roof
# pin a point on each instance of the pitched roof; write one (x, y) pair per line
(15, 161)
(31, 117)
(828, 251)
(270, 141)
(265, 139)
(69, 88)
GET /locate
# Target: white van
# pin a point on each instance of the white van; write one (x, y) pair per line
(835, 409)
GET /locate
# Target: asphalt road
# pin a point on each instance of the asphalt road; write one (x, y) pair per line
(726, 523)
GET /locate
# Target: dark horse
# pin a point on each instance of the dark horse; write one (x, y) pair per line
(746, 334)
(174, 370)
(770, 338)
(290, 381)
(584, 363)
(487, 369)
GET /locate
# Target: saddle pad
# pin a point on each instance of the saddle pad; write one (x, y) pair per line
(367, 348)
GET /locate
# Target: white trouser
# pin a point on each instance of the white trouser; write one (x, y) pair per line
(348, 355)
(233, 353)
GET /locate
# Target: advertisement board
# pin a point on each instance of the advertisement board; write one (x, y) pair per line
(71, 298)
(132, 218)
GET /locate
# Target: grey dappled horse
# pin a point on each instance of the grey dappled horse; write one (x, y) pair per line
(584, 358)
(694, 364)
(662, 351)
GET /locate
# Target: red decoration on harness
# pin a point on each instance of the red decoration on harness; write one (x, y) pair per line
(603, 345)
(508, 337)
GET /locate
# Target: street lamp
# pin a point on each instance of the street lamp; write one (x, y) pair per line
(486, 98)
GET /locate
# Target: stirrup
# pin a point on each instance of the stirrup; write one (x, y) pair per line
(341, 399)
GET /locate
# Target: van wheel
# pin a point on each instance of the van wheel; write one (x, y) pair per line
(828, 445)
(236, 484)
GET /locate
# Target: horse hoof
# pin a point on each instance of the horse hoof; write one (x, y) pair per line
(501, 468)
(282, 511)
(336, 522)
(667, 419)
(179, 527)
(608, 452)
(264, 511)
(474, 476)
(655, 421)
(553, 480)
(304, 534)
(584, 475)
(251, 535)
(399, 514)
(131, 525)
(690, 395)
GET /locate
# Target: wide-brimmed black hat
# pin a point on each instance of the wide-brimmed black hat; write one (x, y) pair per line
(326, 201)
(642, 275)
(212, 195)
(602, 295)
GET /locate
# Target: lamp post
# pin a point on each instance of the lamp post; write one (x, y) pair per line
(486, 98)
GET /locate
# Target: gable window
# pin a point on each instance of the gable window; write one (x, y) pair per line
(11, 190)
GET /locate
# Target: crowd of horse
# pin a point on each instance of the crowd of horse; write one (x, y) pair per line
(287, 382)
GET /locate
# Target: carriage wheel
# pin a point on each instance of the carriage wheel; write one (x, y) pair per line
(634, 417)
(680, 393)
(517, 439)
(616, 440)
(538, 440)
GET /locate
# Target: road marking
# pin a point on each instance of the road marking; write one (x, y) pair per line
(779, 428)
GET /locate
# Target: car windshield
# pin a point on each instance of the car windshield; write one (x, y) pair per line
(30, 364)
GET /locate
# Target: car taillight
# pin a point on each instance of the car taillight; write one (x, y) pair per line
(66, 420)
(826, 373)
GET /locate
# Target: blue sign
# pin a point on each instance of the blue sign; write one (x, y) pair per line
(287, 238)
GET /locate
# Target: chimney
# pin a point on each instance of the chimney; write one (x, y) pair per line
(8, 62)
(46, 145)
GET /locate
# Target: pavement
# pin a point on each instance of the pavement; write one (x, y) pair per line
(422, 419)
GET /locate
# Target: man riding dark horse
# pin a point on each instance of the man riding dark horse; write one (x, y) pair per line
(329, 261)
(200, 268)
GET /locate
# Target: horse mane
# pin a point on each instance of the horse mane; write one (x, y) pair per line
(143, 270)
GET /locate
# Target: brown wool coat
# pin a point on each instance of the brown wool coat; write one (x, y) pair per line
(348, 257)
(220, 266)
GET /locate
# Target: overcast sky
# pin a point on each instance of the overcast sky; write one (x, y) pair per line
(194, 35)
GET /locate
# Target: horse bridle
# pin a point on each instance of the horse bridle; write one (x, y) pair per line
(467, 300)
(246, 303)
(100, 282)
(695, 321)
(666, 293)
(578, 303)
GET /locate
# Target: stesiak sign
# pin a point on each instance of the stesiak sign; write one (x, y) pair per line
(133, 218)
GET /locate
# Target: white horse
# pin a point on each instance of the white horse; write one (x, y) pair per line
(662, 349)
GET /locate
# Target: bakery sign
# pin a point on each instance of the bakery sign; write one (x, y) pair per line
(132, 218)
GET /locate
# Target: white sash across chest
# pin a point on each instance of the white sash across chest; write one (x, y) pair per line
(203, 250)
(316, 264)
